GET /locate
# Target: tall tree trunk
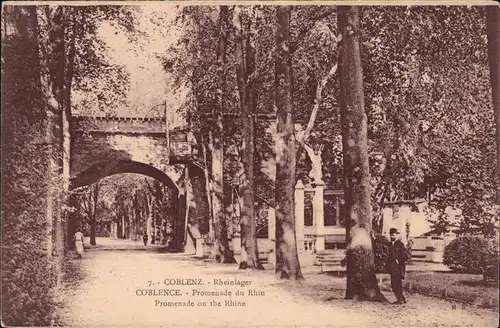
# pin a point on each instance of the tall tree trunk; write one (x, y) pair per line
(57, 65)
(65, 125)
(493, 30)
(361, 279)
(94, 191)
(249, 250)
(137, 214)
(180, 235)
(224, 254)
(287, 259)
(248, 120)
(210, 192)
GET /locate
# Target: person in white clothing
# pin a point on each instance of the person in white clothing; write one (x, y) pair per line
(78, 240)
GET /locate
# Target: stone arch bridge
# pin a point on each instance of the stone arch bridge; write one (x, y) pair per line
(103, 146)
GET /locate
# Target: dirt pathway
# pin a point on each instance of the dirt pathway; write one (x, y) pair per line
(108, 296)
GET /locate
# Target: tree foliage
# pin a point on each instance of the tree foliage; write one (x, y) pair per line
(430, 124)
(28, 269)
(98, 85)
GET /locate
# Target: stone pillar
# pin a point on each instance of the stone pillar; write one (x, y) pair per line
(271, 230)
(189, 247)
(404, 215)
(199, 248)
(387, 217)
(428, 254)
(299, 215)
(319, 215)
(236, 243)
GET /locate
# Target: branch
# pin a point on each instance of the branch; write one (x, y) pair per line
(151, 190)
(317, 100)
(84, 204)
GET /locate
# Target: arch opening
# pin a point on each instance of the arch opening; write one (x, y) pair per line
(174, 220)
(104, 169)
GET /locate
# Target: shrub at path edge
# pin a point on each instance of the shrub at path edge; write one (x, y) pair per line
(471, 254)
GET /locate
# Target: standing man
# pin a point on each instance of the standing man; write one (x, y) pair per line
(145, 238)
(396, 265)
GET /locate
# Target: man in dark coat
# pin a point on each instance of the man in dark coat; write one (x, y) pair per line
(396, 265)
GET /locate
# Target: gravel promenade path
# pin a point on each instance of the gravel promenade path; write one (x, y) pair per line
(113, 278)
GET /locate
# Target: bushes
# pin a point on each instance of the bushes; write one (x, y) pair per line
(28, 292)
(471, 254)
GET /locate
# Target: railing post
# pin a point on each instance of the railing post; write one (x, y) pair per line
(428, 253)
(200, 247)
(236, 243)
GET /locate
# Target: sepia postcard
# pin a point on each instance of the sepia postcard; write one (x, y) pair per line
(250, 164)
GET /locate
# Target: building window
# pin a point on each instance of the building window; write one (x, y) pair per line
(308, 216)
(342, 213)
(308, 209)
(330, 203)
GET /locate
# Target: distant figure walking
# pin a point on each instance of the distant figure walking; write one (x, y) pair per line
(78, 240)
(396, 265)
(145, 238)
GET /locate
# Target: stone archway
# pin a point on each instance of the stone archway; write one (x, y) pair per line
(105, 169)
(103, 146)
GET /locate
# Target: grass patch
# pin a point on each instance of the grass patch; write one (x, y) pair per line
(73, 272)
(469, 288)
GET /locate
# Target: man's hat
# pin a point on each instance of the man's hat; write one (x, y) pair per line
(393, 231)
